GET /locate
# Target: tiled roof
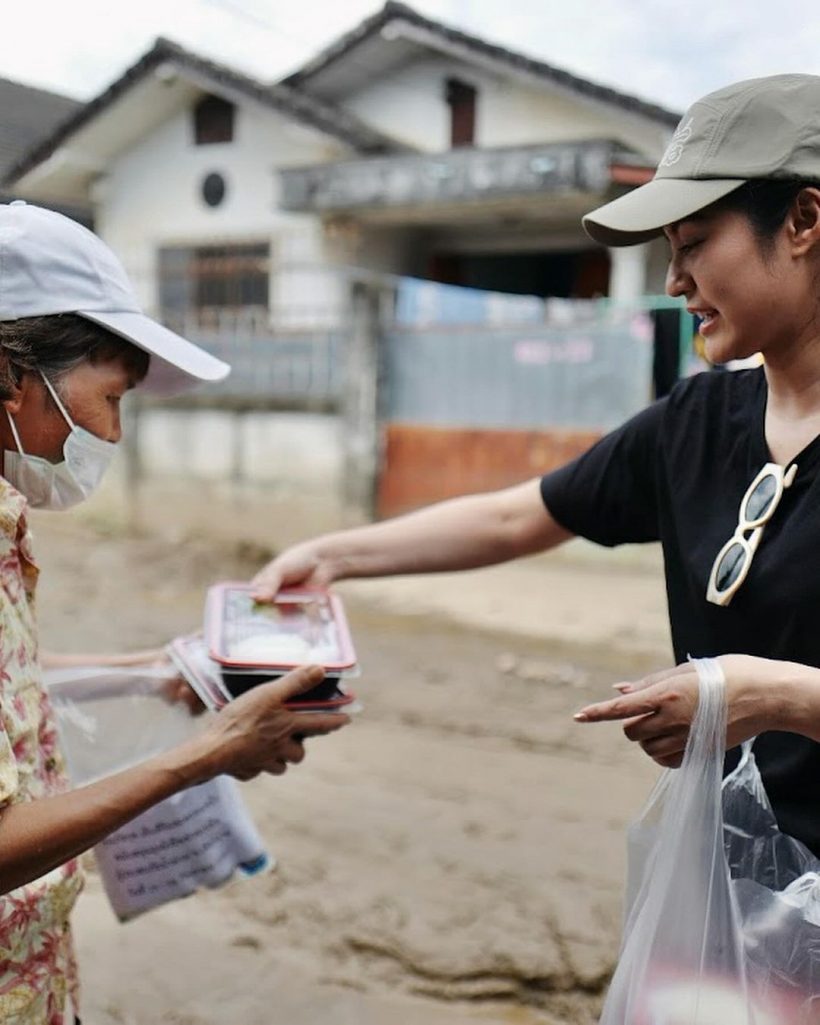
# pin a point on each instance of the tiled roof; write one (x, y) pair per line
(27, 116)
(395, 11)
(318, 113)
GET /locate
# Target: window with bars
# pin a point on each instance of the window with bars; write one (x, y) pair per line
(207, 285)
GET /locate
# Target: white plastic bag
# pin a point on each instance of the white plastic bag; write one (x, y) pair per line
(109, 720)
(722, 909)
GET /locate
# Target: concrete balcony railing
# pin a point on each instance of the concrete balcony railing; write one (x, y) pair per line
(458, 176)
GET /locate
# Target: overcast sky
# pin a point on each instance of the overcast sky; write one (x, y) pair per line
(666, 52)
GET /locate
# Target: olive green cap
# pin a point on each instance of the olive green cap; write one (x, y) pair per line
(759, 128)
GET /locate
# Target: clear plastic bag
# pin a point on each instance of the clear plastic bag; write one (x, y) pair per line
(722, 919)
(113, 718)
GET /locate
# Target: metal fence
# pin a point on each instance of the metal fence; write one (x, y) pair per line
(575, 364)
(270, 368)
(449, 356)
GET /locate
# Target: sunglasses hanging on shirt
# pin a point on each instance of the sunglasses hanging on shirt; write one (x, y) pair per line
(733, 561)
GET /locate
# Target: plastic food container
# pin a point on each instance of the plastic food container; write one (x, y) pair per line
(250, 642)
(300, 626)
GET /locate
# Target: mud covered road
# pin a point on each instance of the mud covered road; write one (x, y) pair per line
(456, 856)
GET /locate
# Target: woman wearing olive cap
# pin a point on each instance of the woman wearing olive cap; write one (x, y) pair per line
(724, 472)
(73, 341)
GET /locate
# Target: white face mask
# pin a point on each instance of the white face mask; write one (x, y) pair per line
(59, 485)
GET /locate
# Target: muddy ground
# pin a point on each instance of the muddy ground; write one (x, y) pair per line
(455, 856)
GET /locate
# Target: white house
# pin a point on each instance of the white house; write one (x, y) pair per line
(405, 147)
(244, 210)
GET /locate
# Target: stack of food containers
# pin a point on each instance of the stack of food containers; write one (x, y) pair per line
(245, 643)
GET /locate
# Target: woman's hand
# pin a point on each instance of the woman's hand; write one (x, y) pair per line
(761, 694)
(259, 733)
(256, 733)
(177, 691)
(300, 565)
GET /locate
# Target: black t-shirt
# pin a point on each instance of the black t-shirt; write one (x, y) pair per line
(676, 473)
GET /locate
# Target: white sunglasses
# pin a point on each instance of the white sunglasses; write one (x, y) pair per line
(732, 562)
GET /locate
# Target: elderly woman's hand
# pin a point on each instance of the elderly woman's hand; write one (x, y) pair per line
(761, 694)
(177, 691)
(259, 733)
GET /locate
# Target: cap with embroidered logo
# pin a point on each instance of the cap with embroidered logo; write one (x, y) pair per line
(759, 128)
(50, 264)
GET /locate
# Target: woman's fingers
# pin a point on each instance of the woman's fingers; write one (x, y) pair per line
(296, 681)
(632, 686)
(670, 761)
(317, 724)
(293, 752)
(657, 714)
(644, 727)
(627, 706)
(179, 691)
(266, 583)
(296, 566)
(260, 732)
(675, 695)
(671, 745)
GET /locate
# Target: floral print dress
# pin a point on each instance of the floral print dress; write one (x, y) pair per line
(37, 968)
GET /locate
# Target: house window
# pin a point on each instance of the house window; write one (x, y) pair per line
(213, 286)
(213, 120)
(461, 99)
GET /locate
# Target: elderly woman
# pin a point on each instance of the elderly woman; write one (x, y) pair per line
(72, 342)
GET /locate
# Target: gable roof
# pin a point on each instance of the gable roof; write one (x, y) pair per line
(27, 116)
(309, 110)
(394, 11)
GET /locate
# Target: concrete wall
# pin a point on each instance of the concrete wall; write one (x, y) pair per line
(188, 485)
(300, 451)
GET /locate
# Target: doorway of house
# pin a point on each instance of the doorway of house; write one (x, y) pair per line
(576, 274)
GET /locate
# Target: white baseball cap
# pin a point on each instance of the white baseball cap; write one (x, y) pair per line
(50, 264)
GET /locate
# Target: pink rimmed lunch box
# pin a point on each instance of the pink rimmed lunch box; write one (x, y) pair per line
(252, 641)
